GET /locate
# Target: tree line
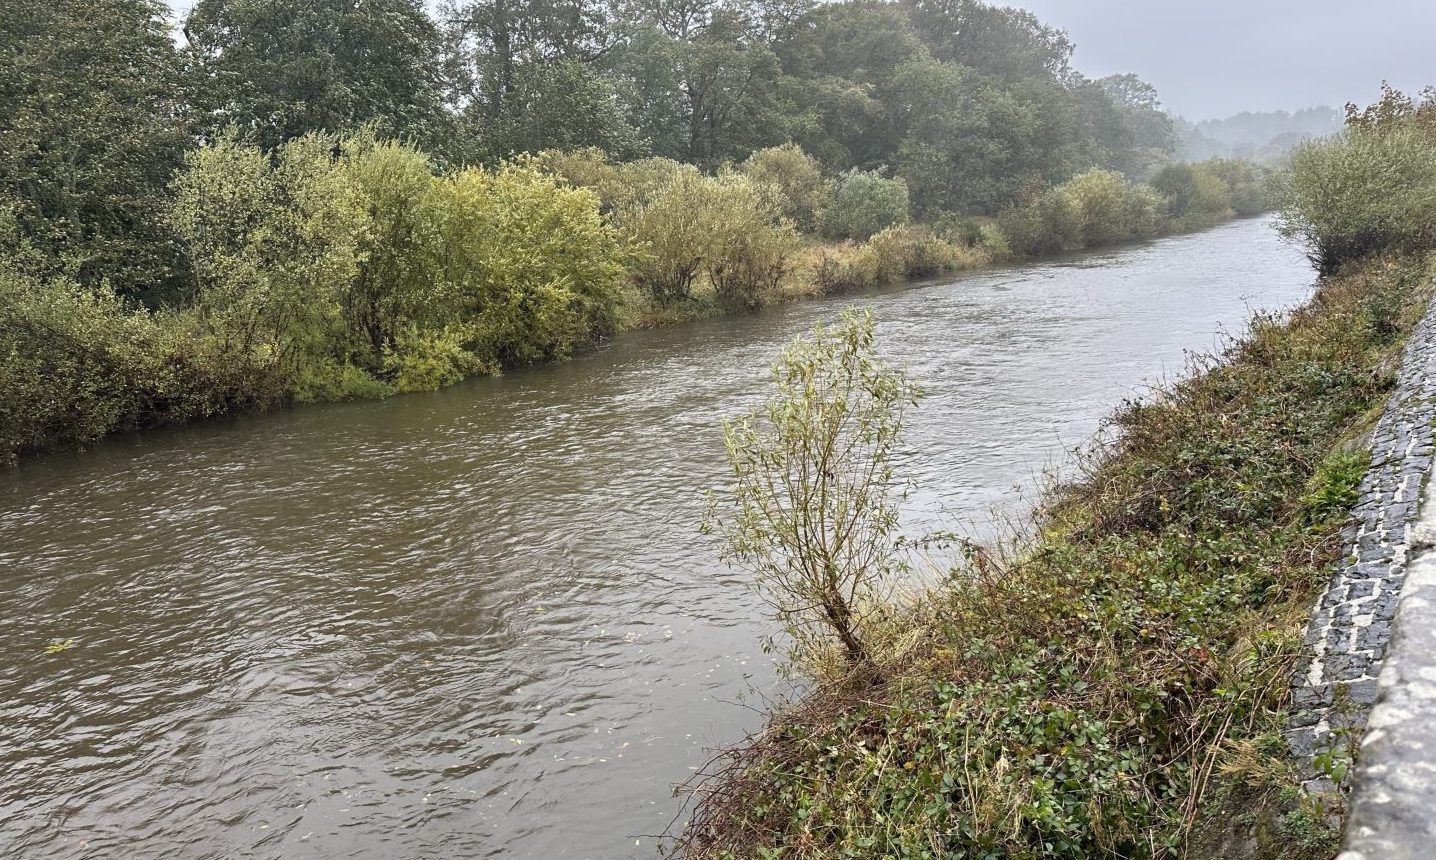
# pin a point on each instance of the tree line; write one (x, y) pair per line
(970, 104)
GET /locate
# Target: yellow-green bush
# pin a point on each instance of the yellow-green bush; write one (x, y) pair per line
(618, 185)
(530, 269)
(68, 364)
(913, 252)
(1194, 195)
(429, 360)
(273, 241)
(1047, 222)
(1246, 184)
(723, 227)
(396, 286)
(794, 178)
(1110, 208)
(1100, 207)
(330, 253)
(78, 363)
(908, 251)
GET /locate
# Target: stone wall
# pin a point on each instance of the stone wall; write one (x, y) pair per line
(1369, 672)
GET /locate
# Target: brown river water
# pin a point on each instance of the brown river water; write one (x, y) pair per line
(481, 622)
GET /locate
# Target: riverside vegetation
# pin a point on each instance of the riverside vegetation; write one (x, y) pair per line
(390, 204)
(1114, 683)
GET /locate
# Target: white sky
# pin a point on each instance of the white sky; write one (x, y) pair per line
(1213, 58)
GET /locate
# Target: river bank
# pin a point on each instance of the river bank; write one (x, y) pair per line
(83, 365)
(337, 268)
(911, 253)
(1118, 684)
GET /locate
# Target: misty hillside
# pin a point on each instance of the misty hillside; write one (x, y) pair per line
(1263, 136)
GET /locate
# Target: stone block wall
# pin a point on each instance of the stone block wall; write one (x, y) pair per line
(1369, 667)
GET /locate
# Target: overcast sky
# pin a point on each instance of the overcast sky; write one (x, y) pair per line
(1214, 58)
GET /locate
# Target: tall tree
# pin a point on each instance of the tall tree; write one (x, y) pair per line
(1007, 43)
(559, 104)
(1143, 136)
(91, 128)
(729, 80)
(838, 61)
(280, 68)
(492, 39)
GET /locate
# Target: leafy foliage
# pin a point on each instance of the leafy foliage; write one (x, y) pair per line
(863, 202)
(279, 69)
(1110, 209)
(274, 246)
(1101, 207)
(725, 227)
(1194, 195)
(794, 179)
(78, 363)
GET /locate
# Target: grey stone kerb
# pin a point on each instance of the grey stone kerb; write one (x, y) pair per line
(1371, 646)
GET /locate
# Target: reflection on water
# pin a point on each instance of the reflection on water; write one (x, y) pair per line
(480, 622)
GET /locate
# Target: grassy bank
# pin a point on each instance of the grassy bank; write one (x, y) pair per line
(336, 268)
(1117, 683)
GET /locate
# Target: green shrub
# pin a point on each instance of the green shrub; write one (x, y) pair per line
(1246, 184)
(1110, 208)
(429, 360)
(324, 381)
(965, 230)
(619, 185)
(845, 267)
(909, 251)
(994, 243)
(1048, 222)
(273, 240)
(588, 168)
(751, 261)
(673, 230)
(78, 363)
(69, 362)
(1370, 189)
(336, 252)
(863, 203)
(724, 227)
(396, 285)
(912, 252)
(530, 269)
(1193, 194)
(794, 178)
(814, 517)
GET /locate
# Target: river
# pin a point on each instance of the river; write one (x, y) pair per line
(480, 622)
